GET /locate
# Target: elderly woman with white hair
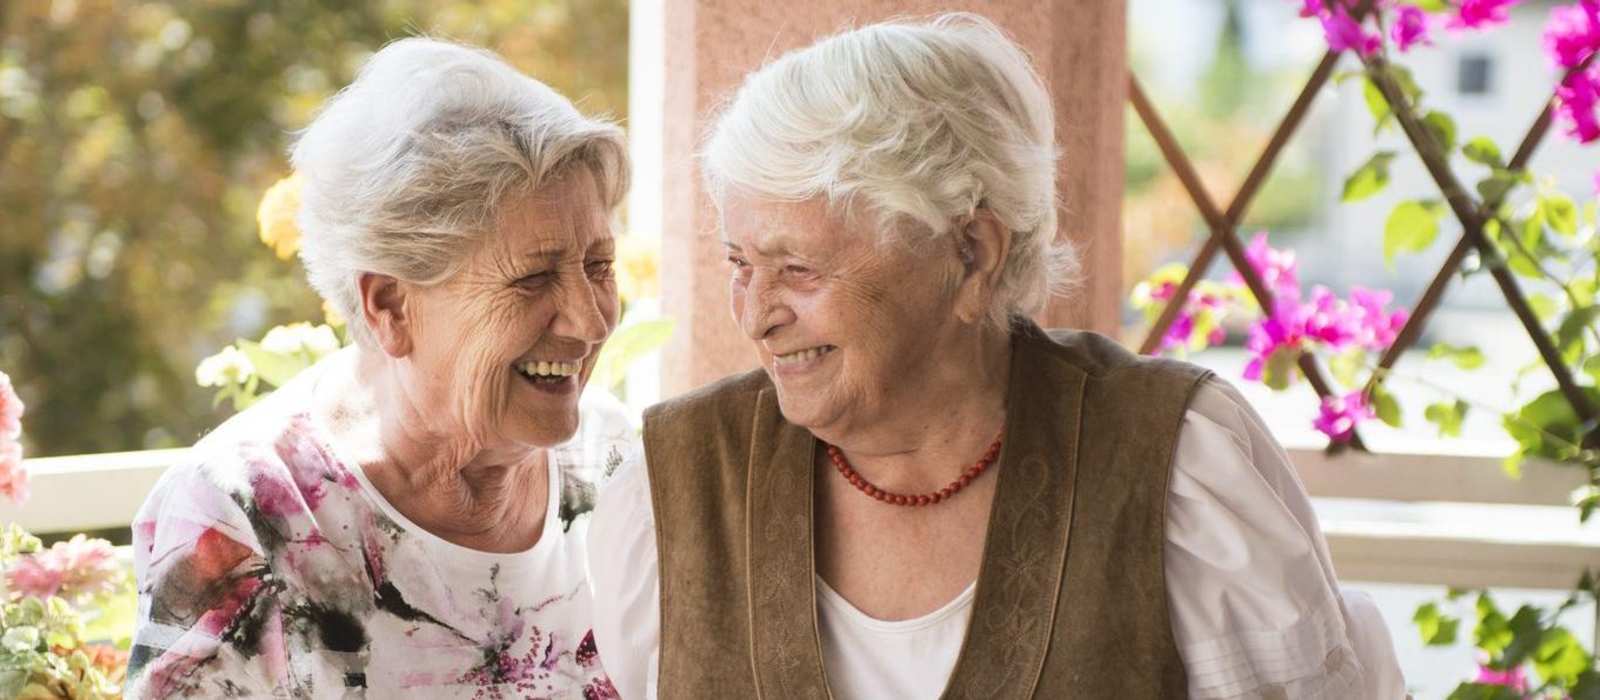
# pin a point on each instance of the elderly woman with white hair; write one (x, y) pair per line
(921, 493)
(405, 518)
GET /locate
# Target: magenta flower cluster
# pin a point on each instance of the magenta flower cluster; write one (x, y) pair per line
(1408, 24)
(1299, 323)
(1570, 37)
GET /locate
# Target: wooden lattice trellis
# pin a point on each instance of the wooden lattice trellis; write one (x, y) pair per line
(1471, 212)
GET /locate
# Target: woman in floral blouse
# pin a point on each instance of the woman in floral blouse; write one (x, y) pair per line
(405, 518)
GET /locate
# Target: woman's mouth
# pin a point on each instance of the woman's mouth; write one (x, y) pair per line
(801, 359)
(555, 377)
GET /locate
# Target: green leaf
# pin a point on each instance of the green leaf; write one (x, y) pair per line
(1347, 366)
(1279, 369)
(628, 344)
(274, 368)
(1493, 633)
(1438, 629)
(1560, 214)
(1368, 179)
(1543, 306)
(1483, 691)
(1591, 367)
(1526, 633)
(1547, 426)
(1447, 415)
(1411, 228)
(1483, 150)
(1572, 327)
(1468, 357)
(1386, 406)
(1587, 687)
(1443, 129)
(1494, 188)
(1376, 106)
(1432, 5)
(1560, 658)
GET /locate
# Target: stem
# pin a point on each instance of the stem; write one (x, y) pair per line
(1508, 234)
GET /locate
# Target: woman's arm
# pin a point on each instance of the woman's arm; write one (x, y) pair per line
(1255, 603)
(625, 577)
(209, 616)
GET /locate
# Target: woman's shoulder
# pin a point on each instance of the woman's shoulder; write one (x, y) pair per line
(267, 460)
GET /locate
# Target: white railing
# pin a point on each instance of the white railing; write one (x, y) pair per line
(1409, 517)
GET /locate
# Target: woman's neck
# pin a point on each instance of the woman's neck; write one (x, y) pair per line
(443, 480)
(939, 428)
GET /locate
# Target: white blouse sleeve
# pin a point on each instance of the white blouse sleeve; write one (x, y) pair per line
(625, 579)
(1256, 608)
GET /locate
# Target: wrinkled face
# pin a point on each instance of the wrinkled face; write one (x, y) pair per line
(503, 348)
(850, 331)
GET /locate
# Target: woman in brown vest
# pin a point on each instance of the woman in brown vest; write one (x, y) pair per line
(920, 492)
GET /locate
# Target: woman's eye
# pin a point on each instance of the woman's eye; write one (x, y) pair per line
(738, 262)
(600, 269)
(534, 279)
(797, 270)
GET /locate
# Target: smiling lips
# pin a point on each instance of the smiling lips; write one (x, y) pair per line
(801, 356)
(548, 372)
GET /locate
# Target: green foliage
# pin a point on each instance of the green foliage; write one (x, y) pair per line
(1368, 179)
(1411, 228)
(148, 131)
(1484, 151)
(1386, 406)
(1438, 629)
(1467, 358)
(1447, 415)
(629, 343)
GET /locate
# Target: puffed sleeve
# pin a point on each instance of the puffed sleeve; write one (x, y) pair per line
(1256, 607)
(201, 572)
(625, 577)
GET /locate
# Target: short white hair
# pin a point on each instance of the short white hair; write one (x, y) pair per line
(920, 122)
(410, 163)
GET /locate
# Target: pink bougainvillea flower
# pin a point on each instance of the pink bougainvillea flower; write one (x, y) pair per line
(1340, 415)
(1572, 34)
(1480, 14)
(1343, 32)
(74, 569)
(13, 478)
(1283, 331)
(1576, 100)
(1277, 268)
(1374, 325)
(1511, 678)
(1410, 27)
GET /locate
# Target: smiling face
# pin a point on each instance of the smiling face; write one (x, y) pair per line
(852, 332)
(502, 349)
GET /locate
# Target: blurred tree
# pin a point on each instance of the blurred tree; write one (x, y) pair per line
(135, 141)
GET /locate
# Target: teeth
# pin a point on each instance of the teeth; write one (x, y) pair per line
(803, 355)
(549, 369)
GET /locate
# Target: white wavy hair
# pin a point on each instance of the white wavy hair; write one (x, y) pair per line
(408, 165)
(920, 122)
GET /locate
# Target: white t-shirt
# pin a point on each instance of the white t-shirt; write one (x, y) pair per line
(269, 565)
(1255, 605)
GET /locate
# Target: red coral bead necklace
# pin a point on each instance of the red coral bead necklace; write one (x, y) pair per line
(904, 499)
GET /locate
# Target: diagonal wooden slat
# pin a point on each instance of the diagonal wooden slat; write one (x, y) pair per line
(1241, 199)
(1472, 220)
(1222, 227)
(1434, 295)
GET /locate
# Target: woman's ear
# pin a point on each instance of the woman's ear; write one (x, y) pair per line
(982, 244)
(383, 305)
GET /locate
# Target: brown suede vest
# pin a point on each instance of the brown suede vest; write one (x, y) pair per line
(1071, 600)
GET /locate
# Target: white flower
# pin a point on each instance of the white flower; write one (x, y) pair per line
(224, 368)
(20, 639)
(302, 337)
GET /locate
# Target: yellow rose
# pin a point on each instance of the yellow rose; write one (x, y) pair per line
(276, 215)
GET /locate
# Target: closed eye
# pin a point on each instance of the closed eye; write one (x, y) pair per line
(600, 269)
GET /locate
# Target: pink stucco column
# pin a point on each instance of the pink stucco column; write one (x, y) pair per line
(1078, 46)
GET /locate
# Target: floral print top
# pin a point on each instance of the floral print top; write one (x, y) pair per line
(269, 566)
